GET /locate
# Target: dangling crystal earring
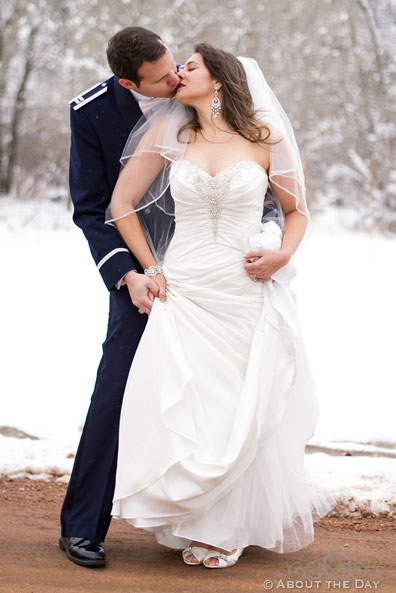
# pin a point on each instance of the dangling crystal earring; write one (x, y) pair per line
(215, 104)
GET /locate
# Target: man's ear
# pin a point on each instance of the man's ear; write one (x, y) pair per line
(127, 84)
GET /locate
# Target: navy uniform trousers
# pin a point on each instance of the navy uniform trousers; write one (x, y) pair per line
(100, 126)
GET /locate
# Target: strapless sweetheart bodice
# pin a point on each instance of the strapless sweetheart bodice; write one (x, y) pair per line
(217, 208)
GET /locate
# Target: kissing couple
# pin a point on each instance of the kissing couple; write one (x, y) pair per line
(203, 401)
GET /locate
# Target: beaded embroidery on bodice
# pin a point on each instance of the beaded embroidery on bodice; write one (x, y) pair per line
(214, 189)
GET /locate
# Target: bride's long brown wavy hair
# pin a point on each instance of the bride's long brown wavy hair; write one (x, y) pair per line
(237, 104)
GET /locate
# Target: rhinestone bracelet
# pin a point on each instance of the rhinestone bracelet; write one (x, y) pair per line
(153, 271)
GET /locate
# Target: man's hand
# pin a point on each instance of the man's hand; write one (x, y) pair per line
(142, 290)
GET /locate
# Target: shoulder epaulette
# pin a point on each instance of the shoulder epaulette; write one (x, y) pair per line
(88, 95)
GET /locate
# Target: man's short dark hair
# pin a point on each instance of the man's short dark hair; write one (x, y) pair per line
(129, 48)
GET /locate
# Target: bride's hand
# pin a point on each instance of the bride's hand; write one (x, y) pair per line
(267, 263)
(160, 281)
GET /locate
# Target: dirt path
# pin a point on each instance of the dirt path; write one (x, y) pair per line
(31, 562)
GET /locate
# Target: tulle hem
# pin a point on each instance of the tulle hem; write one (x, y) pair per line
(296, 531)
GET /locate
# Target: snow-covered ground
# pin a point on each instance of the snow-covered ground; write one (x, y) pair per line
(53, 319)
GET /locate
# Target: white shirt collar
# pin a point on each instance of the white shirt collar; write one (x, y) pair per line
(140, 97)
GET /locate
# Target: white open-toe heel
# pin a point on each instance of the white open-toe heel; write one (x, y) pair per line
(196, 551)
(225, 560)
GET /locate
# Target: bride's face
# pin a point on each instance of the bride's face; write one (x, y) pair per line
(195, 82)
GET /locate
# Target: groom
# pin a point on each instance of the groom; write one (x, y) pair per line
(101, 120)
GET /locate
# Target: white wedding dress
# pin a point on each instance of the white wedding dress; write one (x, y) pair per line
(219, 401)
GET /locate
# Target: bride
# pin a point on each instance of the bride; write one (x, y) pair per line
(219, 402)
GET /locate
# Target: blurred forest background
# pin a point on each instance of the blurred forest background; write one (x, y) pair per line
(332, 64)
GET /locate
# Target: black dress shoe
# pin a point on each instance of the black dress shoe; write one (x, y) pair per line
(83, 551)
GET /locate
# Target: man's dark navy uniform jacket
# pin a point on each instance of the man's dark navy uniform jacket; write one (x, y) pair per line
(101, 120)
(100, 126)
